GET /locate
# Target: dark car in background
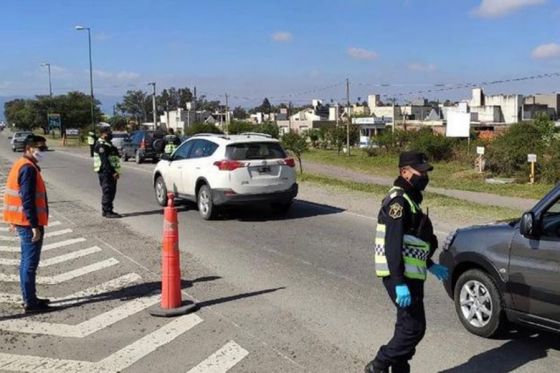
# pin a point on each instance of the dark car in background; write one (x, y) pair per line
(507, 271)
(142, 145)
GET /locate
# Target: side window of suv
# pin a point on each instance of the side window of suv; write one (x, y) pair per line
(551, 221)
(203, 148)
(182, 152)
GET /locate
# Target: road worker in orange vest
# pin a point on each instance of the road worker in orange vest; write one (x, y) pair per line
(26, 209)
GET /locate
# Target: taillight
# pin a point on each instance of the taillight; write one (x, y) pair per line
(228, 165)
(290, 162)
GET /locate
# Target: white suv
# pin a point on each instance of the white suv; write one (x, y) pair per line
(216, 170)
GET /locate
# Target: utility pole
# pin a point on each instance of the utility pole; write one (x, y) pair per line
(48, 65)
(194, 104)
(154, 106)
(290, 116)
(227, 115)
(348, 117)
(81, 28)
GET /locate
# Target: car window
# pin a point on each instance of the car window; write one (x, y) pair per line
(551, 221)
(197, 149)
(182, 151)
(255, 150)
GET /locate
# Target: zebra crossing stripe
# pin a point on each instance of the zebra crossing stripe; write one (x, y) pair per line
(83, 295)
(47, 235)
(63, 277)
(57, 259)
(56, 245)
(83, 329)
(116, 362)
(222, 360)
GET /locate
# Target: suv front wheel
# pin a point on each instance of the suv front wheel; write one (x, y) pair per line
(206, 206)
(478, 303)
(161, 191)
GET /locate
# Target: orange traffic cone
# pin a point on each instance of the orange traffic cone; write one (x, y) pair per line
(171, 303)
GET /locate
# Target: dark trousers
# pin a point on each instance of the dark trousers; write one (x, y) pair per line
(30, 256)
(108, 189)
(409, 328)
(91, 147)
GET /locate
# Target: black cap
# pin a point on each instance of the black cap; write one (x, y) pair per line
(105, 129)
(416, 160)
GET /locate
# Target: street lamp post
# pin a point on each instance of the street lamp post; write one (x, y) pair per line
(81, 28)
(154, 106)
(48, 65)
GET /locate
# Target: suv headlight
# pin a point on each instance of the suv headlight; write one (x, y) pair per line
(448, 240)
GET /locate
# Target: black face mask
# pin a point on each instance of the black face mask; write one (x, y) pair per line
(419, 182)
(109, 137)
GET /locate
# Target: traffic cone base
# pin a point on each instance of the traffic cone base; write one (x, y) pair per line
(186, 307)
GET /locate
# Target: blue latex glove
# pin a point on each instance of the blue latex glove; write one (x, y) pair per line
(441, 272)
(403, 296)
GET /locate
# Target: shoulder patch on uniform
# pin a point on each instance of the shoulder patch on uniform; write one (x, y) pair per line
(101, 149)
(395, 210)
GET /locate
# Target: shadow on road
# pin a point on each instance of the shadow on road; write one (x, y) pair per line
(212, 302)
(523, 347)
(299, 210)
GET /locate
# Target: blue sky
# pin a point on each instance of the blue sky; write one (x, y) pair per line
(287, 50)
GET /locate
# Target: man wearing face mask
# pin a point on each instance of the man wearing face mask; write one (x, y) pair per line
(404, 245)
(26, 209)
(106, 162)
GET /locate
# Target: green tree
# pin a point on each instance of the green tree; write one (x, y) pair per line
(136, 104)
(118, 122)
(173, 98)
(266, 107)
(240, 113)
(270, 128)
(236, 127)
(202, 128)
(297, 144)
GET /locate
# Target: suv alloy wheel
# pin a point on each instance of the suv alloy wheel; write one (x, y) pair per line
(161, 191)
(478, 303)
(205, 205)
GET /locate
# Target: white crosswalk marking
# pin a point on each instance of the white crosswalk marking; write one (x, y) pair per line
(57, 259)
(56, 245)
(116, 362)
(83, 295)
(222, 360)
(53, 280)
(83, 329)
(47, 235)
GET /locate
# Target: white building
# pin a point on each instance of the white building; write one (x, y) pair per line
(495, 109)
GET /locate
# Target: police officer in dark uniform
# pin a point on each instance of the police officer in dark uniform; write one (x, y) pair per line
(404, 245)
(106, 162)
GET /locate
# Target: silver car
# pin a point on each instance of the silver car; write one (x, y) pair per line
(18, 139)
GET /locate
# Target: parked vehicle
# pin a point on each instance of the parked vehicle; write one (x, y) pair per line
(118, 140)
(217, 170)
(17, 140)
(507, 270)
(142, 145)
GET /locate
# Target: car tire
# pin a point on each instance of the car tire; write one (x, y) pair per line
(281, 207)
(138, 157)
(160, 191)
(206, 207)
(478, 303)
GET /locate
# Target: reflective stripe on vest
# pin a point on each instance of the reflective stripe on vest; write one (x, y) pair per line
(13, 205)
(114, 160)
(415, 251)
(169, 148)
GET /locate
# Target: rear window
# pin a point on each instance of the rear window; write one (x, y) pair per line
(255, 150)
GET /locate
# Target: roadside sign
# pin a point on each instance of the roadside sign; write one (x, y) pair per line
(531, 158)
(72, 132)
(54, 121)
(480, 150)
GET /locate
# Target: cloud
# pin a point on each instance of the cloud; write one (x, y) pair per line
(545, 51)
(499, 8)
(282, 36)
(120, 76)
(422, 67)
(361, 54)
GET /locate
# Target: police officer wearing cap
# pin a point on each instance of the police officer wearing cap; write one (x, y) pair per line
(404, 245)
(106, 162)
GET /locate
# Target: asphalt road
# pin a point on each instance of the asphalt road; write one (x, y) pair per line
(306, 281)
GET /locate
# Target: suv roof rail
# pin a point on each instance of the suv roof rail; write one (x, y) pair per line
(255, 134)
(210, 134)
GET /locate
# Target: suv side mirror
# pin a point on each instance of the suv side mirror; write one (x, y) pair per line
(527, 225)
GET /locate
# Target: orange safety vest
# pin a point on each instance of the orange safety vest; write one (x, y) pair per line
(13, 205)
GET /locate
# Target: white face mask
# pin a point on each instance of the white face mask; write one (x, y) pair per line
(39, 155)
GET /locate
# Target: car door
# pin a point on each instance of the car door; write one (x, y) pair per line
(534, 270)
(198, 163)
(179, 160)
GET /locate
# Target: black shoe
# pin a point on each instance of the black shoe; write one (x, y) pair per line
(36, 308)
(43, 300)
(402, 367)
(112, 215)
(375, 367)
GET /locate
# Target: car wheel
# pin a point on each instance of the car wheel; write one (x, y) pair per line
(139, 158)
(281, 207)
(478, 303)
(161, 191)
(206, 207)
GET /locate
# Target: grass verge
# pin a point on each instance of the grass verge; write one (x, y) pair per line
(449, 207)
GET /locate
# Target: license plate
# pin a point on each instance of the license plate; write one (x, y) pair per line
(263, 170)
